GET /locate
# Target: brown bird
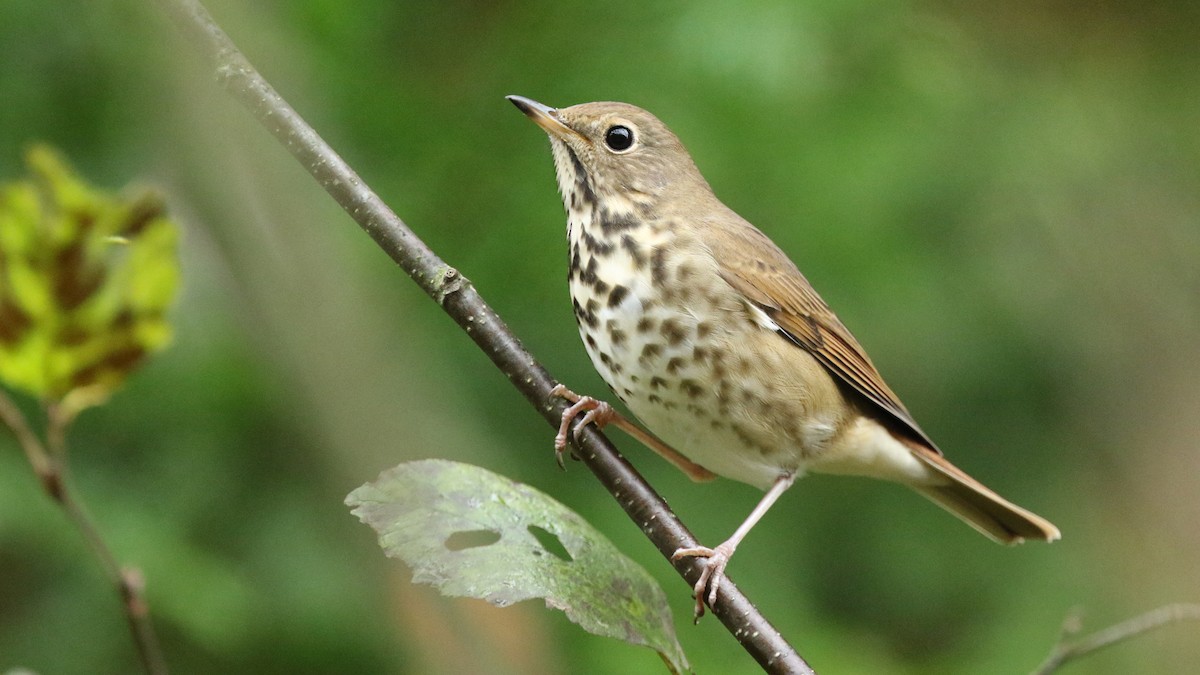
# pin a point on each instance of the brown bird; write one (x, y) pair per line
(714, 339)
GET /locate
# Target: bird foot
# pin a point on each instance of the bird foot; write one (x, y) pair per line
(595, 412)
(710, 578)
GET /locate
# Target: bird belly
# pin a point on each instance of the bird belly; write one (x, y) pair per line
(868, 449)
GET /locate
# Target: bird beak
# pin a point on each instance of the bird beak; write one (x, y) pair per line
(542, 115)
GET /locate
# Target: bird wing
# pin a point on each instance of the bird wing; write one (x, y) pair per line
(754, 266)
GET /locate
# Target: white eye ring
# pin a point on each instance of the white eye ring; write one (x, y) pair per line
(619, 138)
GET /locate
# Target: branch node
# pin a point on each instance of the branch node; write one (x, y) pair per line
(52, 483)
(449, 281)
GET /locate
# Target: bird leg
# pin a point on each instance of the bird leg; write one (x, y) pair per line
(718, 558)
(600, 413)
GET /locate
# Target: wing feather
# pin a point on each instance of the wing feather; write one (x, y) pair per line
(773, 284)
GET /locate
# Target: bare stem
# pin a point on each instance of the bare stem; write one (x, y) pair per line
(49, 462)
(34, 451)
(463, 303)
(1067, 650)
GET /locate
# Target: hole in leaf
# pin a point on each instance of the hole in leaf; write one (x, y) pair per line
(471, 539)
(550, 542)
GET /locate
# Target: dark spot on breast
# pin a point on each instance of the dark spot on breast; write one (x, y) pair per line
(716, 424)
(617, 336)
(654, 398)
(606, 360)
(586, 272)
(658, 266)
(595, 245)
(634, 249)
(718, 370)
(675, 365)
(674, 331)
(691, 387)
(744, 436)
(600, 287)
(657, 382)
(618, 294)
(703, 329)
(574, 263)
(684, 272)
(700, 354)
(612, 223)
(587, 316)
(591, 341)
(644, 324)
(651, 351)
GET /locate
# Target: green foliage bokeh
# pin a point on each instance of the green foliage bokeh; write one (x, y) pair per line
(1002, 202)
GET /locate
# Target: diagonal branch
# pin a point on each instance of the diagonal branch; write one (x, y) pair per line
(1068, 650)
(460, 300)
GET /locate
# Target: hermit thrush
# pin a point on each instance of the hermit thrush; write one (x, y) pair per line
(718, 344)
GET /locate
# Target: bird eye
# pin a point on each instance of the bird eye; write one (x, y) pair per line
(618, 138)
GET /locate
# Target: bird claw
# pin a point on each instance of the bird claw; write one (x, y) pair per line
(710, 577)
(595, 412)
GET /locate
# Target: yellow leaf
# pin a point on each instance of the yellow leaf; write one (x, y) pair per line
(86, 279)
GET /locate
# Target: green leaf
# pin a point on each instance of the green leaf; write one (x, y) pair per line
(470, 532)
(86, 279)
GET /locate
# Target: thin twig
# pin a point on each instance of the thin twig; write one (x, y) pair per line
(460, 300)
(49, 462)
(34, 451)
(1067, 650)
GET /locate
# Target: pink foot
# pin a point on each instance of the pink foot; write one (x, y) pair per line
(710, 578)
(596, 412)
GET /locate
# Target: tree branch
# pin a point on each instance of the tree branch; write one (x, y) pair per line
(1066, 650)
(460, 300)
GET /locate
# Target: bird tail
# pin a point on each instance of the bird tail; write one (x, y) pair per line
(979, 507)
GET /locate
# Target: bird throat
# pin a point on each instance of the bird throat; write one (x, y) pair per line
(613, 250)
(640, 331)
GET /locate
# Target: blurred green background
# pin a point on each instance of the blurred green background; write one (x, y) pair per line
(1001, 200)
